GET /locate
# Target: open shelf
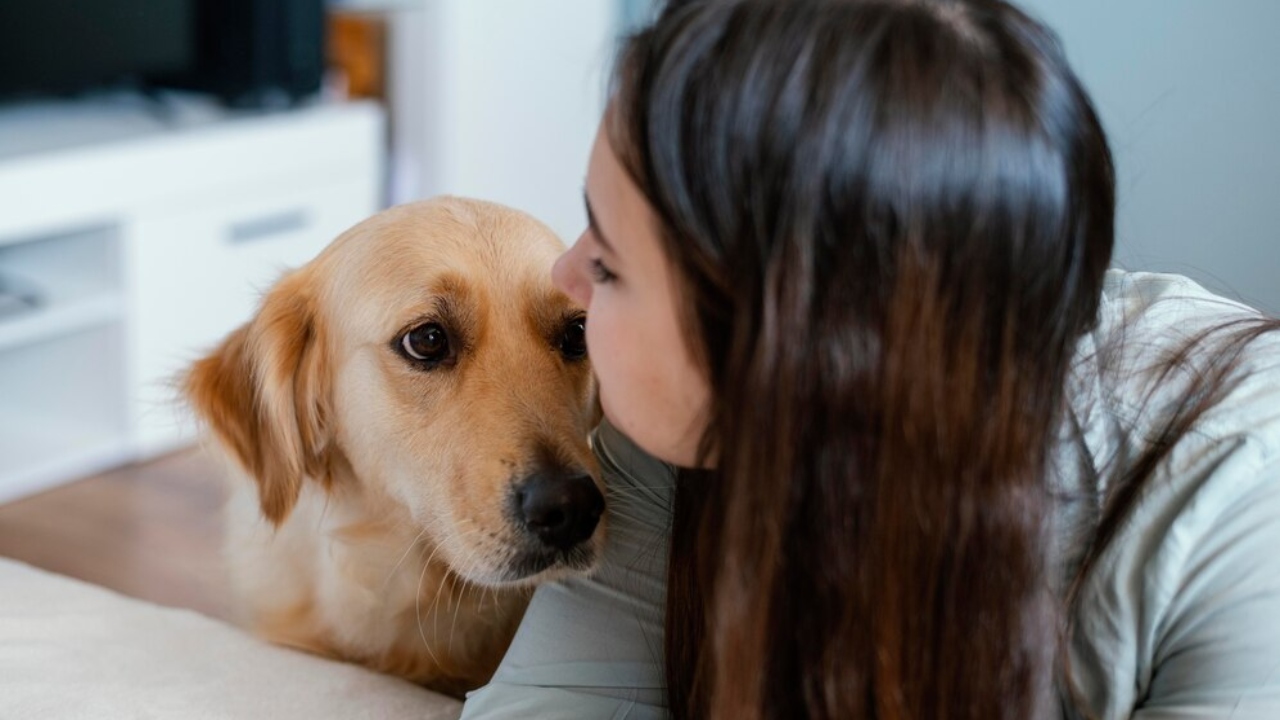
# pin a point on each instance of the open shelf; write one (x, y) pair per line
(62, 405)
(46, 323)
(74, 276)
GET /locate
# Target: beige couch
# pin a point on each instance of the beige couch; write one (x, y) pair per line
(73, 650)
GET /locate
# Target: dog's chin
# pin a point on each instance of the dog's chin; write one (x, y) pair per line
(527, 568)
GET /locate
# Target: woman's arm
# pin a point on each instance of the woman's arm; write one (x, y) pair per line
(592, 647)
(1218, 655)
(1184, 621)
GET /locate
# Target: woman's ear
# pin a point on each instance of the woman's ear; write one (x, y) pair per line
(265, 391)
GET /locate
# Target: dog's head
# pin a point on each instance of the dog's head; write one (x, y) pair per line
(426, 356)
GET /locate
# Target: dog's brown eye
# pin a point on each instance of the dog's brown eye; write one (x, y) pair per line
(573, 344)
(428, 343)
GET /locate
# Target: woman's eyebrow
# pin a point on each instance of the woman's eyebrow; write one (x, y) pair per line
(595, 226)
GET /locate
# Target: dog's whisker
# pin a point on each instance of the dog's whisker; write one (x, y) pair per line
(418, 611)
(444, 577)
(399, 562)
(462, 588)
(634, 519)
(453, 586)
(433, 612)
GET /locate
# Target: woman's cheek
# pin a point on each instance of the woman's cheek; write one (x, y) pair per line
(598, 345)
(601, 351)
(611, 348)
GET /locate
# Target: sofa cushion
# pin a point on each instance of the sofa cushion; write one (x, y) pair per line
(73, 650)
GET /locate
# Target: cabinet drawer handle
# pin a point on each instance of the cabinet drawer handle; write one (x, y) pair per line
(265, 226)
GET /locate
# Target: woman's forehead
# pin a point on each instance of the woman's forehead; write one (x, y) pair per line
(620, 210)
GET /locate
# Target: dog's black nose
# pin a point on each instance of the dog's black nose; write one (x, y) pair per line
(561, 509)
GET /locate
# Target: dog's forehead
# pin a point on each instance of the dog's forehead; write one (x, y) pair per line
(454, 234)
(461, 248)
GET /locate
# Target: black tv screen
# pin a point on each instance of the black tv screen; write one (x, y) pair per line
(61, 46)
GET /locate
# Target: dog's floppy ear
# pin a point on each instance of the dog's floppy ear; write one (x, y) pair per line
(265, 392)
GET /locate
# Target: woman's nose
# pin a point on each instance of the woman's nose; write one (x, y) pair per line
(567, 274)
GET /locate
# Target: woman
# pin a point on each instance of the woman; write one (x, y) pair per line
(847, 269)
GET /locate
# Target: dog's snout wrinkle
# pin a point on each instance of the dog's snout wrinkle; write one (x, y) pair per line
(561, 509)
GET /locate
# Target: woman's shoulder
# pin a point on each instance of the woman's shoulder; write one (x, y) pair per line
(1182, 608)
(1163, 344)
(1161, 339)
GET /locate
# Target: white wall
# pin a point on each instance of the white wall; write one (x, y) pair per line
(1189, 91)
(500, 99)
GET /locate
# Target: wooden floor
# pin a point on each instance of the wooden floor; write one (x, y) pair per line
(151, 530)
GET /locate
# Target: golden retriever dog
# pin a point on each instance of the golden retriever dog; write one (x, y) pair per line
(410, 413)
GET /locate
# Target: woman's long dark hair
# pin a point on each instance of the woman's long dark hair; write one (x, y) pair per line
(890, 220)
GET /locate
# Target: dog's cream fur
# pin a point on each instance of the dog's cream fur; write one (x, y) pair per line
(375, 523)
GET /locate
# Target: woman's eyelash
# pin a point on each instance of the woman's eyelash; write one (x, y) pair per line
(600, 273)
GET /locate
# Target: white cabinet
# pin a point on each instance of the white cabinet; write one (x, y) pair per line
(202, 271)
(144, 251)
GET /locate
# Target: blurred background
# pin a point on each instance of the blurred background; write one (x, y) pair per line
(1189, 93)
(161, 161)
